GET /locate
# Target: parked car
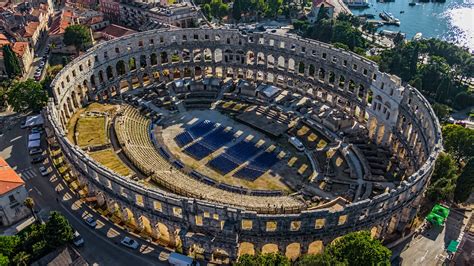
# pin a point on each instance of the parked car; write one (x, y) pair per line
(37, 159)
(34, 151)
(130, 243)
(44, 171)
(78, 241)
(91, 222)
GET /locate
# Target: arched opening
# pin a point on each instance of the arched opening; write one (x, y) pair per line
(342, 81)
(164, 57)
(207, 55)
(101, 77)
(218, 55)
(153, 59)
(311, 71)
(110, 74)
(164, 234)
(120, 67)
(260, 59)
(315, 247)
(301, 68)
(293, 251)
(291, 65)
(132, 65)
(321, 74)
(246, 248)
(270, 61)
(352, 86)
(270, 248)
(250, 58)
(186, 54)
(123, 85)
(146, 79)
(142, 61)
(332, 77)
(281, 62)
(220, 256)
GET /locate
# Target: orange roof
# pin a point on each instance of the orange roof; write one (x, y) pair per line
(30, 29)
(3, 40)
(9, 179)
(19, 48)
(116, 31)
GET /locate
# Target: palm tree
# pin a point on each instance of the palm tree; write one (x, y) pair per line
(30, 204)
(22, 258)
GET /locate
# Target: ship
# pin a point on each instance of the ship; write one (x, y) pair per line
(417, 36)
(389, 18)
(357, 3)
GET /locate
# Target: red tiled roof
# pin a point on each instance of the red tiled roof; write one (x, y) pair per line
(20, 48)
(30, 29)
(9, 179)
(3, 40)
(117, 31)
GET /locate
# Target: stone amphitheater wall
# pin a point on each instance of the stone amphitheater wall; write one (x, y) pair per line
(397, 116)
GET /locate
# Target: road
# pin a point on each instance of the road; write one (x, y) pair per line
(429, 247)
(101, 243)
(37, 59)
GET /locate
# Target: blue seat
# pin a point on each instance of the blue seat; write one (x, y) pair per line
(198, 151)
(222, 164)
(201, 128)
(183, 139)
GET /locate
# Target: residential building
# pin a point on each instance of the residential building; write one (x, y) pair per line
(12, 195)
(115, 31)
(110, 9)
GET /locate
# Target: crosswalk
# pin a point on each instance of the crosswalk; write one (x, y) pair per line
(28, 173)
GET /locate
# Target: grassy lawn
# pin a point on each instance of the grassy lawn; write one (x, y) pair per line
(91, 131)
(109, 159)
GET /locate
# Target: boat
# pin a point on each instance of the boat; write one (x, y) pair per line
(357, 3)
(401, 12)
(389, 18)
(412, 4)
(417, 36)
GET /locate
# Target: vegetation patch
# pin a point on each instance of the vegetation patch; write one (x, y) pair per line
(109, 159)
(90, 131)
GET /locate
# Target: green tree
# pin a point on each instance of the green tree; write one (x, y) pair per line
(273, 8)
(79, 36)
(27, 95)
(463, 99)
(237, 9)
(8, 245)
(4, 261)
(322, 13)
(21, 258)
(218, 9)
(58, 231)
(323, 259)
(459, 142)
(442, 111)
(12, 64)
(465, 182)
(206, 10)
(443, 180)
(359, 248)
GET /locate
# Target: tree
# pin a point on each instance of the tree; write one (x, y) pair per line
(4, 261)
(443, 180)
(8, 245)
(465, 182)
(237, 10)
(322, 13)
(58, 231)
(323, 259)
(12, 64)
(30, 204)
(27, 95)
(459, 142)
(206, 10)
(21, 258)
(359, 248)
(79, 36)
(218, 9)
(441, 110)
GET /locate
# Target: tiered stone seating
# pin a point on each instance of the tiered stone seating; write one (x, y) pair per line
(132, 130)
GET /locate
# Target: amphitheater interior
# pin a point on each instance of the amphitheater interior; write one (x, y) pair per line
(221, 143)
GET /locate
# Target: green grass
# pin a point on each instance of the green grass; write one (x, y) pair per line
(109, 159)
(90, 131)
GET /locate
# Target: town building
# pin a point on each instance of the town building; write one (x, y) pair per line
(12, 195)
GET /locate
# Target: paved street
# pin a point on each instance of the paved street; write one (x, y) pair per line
(429, 247)
(102, 245)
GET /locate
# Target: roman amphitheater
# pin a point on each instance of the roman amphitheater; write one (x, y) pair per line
(222, 142)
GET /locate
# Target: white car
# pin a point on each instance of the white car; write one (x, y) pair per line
(34, 151)
(78, 241)
(44, 171)
(130, 243)
(91, 222)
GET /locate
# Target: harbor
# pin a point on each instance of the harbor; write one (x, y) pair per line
(442, 20)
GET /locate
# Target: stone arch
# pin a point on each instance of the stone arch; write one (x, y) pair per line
(228, 56)
(207, 55)
(250, 58)
(153, 59)
(146, 79)
(218, 55)
(260, 58)
(321, 74)
(110, 73)
(380, 133)
(143, 61)
(120, 68)
(132, 64)
(352, 86)
(220, 256)
(270, 61)
(270, 248)
(301, 68)
(291, 65)
(164, 233)
(342, 81)
(74, 99)
(281, 62)
(164, 57)
(186, 55)
(316, 247)
(332, 77)
(246, 248)
(293, 251)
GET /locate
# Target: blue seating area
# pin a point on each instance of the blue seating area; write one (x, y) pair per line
(218, 138)
(258, 166)
(183, 139)
(198, 150)
(242, 151)
(201, 128)
(222, 164)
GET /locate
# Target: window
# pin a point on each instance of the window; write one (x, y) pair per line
(139, 200)
(207, 214)
(295, 225)
(157, 206)
(12, 199)
(117, 50)
(177, 212)
(215, 216)
(344, 63)
(342, 219)
(324, 55)
(198, 219)
(271, 226)
(354, 67)
(319, 223)
(247, 224)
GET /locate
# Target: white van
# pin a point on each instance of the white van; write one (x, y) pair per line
(296, 143)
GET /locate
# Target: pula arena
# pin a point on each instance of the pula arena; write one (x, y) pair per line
(218, 223)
